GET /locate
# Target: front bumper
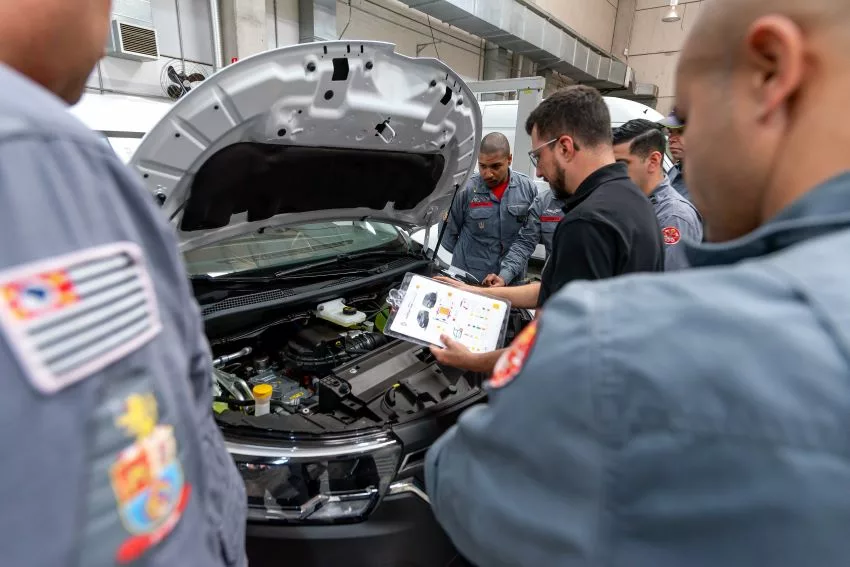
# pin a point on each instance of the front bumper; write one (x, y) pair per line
(401, 532)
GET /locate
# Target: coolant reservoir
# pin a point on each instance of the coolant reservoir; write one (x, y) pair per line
(338, 312)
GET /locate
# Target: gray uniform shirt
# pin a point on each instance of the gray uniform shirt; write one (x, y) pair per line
(697, 418)
(677, 180)
(111, 452)
(481, 229)
(679, 222)
(545, 214)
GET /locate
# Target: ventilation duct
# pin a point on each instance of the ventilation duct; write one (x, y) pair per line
(512, 25)
(132, 33)
(317, 20)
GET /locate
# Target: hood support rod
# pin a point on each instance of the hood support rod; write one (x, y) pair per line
(443, 228)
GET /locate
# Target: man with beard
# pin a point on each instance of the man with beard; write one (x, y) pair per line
(487, 215)
(609, 226)
(696, 418)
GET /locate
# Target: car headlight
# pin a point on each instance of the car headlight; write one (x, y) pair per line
(310, 483)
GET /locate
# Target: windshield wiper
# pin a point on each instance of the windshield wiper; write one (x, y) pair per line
(254, 280)
(341, 259)
(307, 271)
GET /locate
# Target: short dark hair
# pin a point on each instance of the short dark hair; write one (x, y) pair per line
(645, 137)
(578, 111)
(495, 143)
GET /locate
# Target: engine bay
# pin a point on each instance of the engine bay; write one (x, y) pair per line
(331, 368)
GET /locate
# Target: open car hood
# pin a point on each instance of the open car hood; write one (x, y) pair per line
(312, 132)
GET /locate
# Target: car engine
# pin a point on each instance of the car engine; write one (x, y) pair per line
(295, 367)
(331, 368)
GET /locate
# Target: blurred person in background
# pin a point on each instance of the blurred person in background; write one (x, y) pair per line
(675, 130)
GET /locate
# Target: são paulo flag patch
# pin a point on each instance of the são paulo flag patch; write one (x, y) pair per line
(70, 316)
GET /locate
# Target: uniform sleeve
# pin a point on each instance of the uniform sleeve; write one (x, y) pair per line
(62, 197)
(511, 488)
(226, 500)
(674, 250)
(516, 260)
(454, 220)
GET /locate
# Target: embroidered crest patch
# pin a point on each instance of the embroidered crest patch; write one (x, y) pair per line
(671, 235)
(147, 478)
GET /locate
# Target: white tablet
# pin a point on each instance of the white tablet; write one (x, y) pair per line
(428, 309)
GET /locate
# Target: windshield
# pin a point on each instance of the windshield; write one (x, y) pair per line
(291, 245)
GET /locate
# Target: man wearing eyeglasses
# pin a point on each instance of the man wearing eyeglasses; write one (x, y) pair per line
(609, 226)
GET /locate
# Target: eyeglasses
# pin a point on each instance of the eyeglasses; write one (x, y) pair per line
(534, 155)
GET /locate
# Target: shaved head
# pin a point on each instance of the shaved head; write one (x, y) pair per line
(495, 143)
(717, 35)
(769, 78)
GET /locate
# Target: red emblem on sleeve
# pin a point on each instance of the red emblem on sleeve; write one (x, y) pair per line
(671, 235)
(510, 364)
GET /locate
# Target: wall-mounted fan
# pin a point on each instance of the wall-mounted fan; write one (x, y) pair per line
(178, 78)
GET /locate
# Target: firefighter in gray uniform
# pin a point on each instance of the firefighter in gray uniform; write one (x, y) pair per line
(640, 144)
(111, 454)
(696, 418)
(676, 134)
(486, 216)
(544, 216)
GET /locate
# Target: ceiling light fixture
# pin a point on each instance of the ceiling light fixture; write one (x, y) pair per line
(672, 14)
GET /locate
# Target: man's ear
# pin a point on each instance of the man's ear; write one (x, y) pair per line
(510, 159)
(656, 161)
(775, 60)
(566, 146)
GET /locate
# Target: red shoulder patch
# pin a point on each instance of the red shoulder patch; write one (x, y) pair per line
(671, 235)
(511, 363)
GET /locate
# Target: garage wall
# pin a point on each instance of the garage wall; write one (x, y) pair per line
(391, 21)
(191, 27)
(592, 19)
(654, 46)
(281, 23)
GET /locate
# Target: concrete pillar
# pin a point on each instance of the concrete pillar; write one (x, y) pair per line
(317, 20)
(243, 28)
(497, 62)
(623, 28)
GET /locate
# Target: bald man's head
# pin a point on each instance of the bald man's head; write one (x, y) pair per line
(494, 159)
(715, 41)
(761, 87)
(56, 43)
(495, 143)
